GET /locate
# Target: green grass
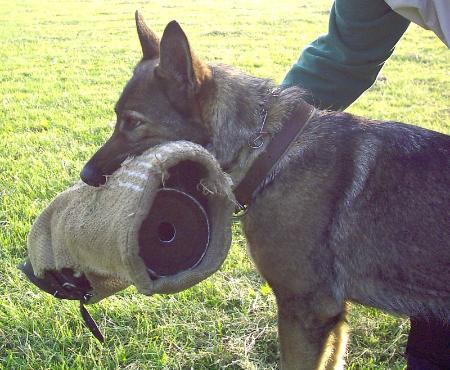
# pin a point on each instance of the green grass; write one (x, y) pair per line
(63, 65)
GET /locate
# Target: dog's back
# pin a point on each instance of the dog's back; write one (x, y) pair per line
(364, 213)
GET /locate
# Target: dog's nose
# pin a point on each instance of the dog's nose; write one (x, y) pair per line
(92, 176)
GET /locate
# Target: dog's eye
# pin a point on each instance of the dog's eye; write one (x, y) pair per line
(131, 123)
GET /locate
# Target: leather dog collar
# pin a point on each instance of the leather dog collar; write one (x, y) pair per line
(263, 165)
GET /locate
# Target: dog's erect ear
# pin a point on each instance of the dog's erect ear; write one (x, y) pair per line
(177, 62)
(149, 41)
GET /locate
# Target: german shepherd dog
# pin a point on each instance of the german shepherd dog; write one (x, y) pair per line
(356, 210)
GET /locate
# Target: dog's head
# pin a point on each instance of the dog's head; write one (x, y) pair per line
(160, 103)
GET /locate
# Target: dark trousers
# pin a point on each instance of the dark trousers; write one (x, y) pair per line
(428, 346)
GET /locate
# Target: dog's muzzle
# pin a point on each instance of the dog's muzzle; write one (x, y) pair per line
(65, 284)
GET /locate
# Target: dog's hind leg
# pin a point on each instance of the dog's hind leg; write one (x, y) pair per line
(311, 333)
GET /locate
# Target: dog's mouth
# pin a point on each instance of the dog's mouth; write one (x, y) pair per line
(65, 284)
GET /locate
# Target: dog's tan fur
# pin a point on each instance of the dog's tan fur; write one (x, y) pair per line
(357, 210)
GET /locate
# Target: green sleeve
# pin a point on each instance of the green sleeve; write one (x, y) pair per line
(338, 67)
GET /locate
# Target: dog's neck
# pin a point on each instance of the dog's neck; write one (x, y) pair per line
(233, 112)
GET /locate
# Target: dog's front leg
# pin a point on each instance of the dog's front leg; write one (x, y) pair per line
(310, 336)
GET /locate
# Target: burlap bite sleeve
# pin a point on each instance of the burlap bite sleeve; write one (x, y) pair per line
(95, 230)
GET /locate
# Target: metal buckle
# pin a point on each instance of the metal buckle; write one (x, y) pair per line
(241, 211)
(86, 297)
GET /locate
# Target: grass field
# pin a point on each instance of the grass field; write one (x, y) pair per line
(63, 65)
